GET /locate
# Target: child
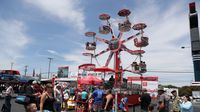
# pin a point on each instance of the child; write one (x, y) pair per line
(161, 106)
(123, 102)
(31, 107)
(150, 108)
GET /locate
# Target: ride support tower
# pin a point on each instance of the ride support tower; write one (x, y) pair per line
(195, 40)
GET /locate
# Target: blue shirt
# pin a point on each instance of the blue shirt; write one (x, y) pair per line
(84, 95)
(122, 105)
(98, 96)
(186, 107)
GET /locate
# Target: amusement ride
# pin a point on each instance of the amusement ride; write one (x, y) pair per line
(117, 44)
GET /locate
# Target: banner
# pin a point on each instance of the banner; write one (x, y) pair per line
(150, 83)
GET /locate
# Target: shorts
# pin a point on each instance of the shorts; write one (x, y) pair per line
(97, 107)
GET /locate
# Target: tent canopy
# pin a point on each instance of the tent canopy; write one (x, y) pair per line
(103, 69)
(90, 80)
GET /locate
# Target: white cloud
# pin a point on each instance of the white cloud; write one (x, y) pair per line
(52, 52)
(13, 41)
(68, 11)
(166, 31)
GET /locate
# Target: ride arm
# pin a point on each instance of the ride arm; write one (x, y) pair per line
(135, 72)
(131, 37)
(120, 35)
(109, 58)
(102, 40)
(102, 52)
(124, 48)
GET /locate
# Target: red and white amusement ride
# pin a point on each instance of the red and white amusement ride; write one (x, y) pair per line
(117, 44)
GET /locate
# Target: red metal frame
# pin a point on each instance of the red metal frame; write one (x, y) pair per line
(121, 43)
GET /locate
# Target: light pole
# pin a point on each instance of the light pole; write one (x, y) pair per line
(25, 69)
(50, 59)
(11, 65)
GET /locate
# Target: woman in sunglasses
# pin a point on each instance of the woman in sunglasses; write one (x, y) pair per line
(186, 105)
(47, 100)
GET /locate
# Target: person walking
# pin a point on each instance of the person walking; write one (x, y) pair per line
(58, 97)
(47, 100)
(145, 100)
(84, 99)
(33, 93)
(175, 102)
(163, 101)
(108, 101)
(84, 96)
(98, 99)
(8, 95)
(123, 102)
(186, 105)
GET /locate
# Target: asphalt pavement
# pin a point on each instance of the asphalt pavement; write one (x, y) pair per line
(14, 106)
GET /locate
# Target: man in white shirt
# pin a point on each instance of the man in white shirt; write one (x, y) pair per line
(58, 95)
(8, 95)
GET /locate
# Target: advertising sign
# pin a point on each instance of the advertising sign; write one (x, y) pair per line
(63, 72)
(150, 83)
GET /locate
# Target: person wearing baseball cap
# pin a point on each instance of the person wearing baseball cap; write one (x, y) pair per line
(175, 102)
(163, 100)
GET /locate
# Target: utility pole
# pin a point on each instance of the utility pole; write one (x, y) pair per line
(40, 75)
(25, 69)
(50, 59)
(11, 66)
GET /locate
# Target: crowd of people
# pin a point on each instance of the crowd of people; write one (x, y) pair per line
(53, 98)
(178, 104)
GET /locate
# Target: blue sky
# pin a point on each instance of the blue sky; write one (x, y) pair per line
(33, 30)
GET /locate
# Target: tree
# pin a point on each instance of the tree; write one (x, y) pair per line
(185, 90)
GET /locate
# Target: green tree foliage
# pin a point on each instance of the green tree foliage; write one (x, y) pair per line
(185, 90)
(188, 90)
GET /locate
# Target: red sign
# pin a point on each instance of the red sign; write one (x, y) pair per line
(147, 78)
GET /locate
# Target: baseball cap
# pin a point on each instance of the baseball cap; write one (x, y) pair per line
(34, 82)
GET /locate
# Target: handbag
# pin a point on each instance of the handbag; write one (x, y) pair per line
(22, 99)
